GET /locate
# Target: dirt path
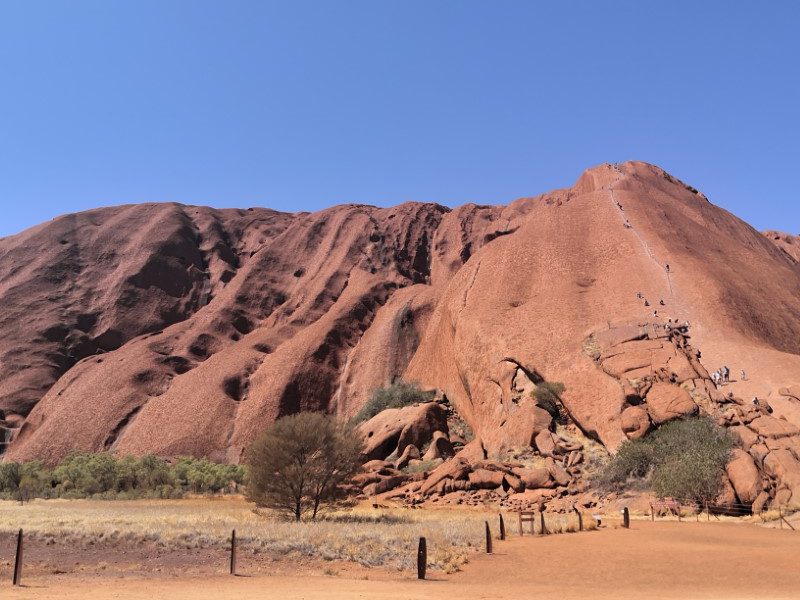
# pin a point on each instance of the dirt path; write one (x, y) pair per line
(652, 560)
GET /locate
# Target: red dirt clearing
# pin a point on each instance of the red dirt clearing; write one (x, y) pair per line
(651, 560)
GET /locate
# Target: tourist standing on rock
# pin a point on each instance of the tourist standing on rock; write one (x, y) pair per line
(744, 375)
(726, 374)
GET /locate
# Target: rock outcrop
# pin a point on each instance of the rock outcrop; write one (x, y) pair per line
(184, 330)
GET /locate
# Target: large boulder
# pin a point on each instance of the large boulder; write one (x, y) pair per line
(784, 466)
(744, 435)
(557, 472)
(391, 430)
(410, 453)
(440, 447)
(744, 476)
(535, 478)
(454, 469)
(635, 422)
(666, 402)
(483, 479)
(772, 427)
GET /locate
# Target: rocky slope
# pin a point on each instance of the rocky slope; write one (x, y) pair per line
(185, 330)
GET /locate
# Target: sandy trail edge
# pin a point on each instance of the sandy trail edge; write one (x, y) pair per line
(652, 560)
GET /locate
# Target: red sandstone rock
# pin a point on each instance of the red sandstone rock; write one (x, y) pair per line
(211, 324)
(440, 447)
(635, 422)
(785, 467)
(666, 402)
(773, 428)
(744, 476)
(457, 468)
(483, 479)
(393, 429)
(535, 478)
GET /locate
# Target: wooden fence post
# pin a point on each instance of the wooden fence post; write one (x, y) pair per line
(626, 518)
(422, 558)
(780, 517)
(502, 528)
(541, 523)
(708, 513)
(521, 533)
(18, 561)
(580, 518)
(488, 538)
(233, 552)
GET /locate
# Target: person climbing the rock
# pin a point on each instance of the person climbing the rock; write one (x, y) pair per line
(646, 303)
(639, 295)
(661, 302)
(655, 313)
(743, 375)
(726, 374)
(715, 378)
(667, 267)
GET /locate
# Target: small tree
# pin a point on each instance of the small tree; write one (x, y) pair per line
(299, 464)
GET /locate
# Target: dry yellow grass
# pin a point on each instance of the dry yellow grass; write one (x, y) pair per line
(371, 537)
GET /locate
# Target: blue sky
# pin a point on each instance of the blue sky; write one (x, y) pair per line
(302, 105)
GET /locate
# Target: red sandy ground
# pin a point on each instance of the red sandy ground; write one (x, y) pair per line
(665, 560)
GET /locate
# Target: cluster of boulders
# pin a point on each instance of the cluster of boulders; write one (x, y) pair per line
(659, 372)
(411, 457)
(398, 469)
(662, 379)
(765, 470)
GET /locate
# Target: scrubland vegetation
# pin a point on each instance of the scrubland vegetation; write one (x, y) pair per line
(682, 459)
(396, 395)
(102, 475)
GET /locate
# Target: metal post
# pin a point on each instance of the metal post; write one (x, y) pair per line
(233, 552)
(18, 561)
(626, 518)
(422, 558)
(488, 538)
(502, 528)
(541, 523)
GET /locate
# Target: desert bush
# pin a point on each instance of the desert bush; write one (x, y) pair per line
(87, 474)
(682, 459)
(203, 476)
(397, 395)
(102, 475)
(298, 465)
(546, 394)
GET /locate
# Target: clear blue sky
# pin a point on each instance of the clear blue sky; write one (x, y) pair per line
(299, 105)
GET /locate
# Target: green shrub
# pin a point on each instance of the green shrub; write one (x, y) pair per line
(683, 459)
(102, 475)
(546, 394)
(397, 395)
